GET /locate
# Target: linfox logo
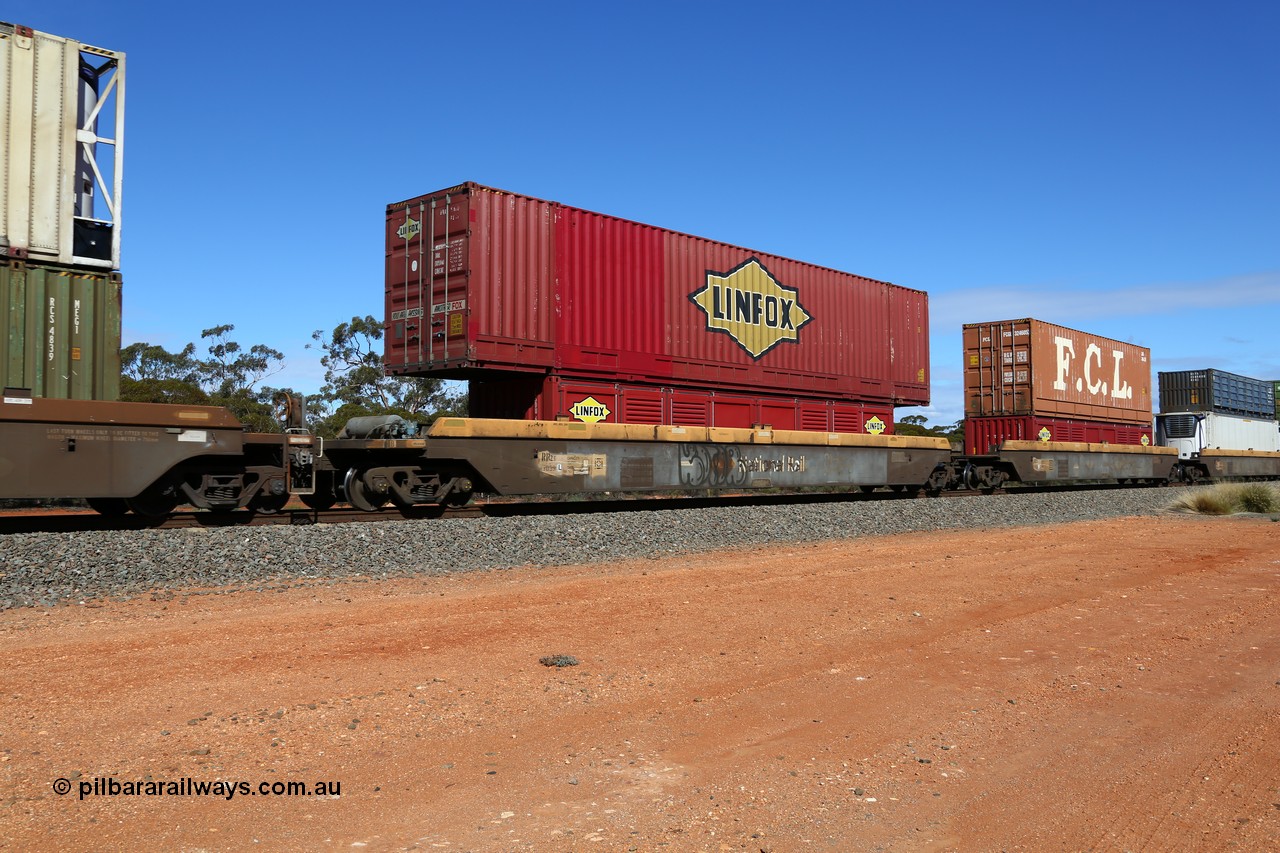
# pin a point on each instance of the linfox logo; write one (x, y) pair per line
(749, 305)
(1066, 353)
(410, 228)
(589, 411)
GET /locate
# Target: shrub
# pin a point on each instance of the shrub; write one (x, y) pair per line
(1258, 497)
(1210, 501)
(1228, 499)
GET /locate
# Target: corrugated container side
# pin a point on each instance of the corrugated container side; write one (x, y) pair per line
(867, 340)
(53, 207)
(62, 331)
(609, 315)
(1193, 432)
(591, 401)
(1276, 385)
(1216, 391)
(1030, 367)
(542, 287)
(984, 435)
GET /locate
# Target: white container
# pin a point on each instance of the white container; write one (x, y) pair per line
(1193, 432)
(62, 140)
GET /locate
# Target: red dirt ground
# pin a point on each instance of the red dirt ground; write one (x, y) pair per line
(1096, 686)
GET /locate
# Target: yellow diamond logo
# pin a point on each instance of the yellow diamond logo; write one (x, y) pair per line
(1146, 440)
(1044, 434)
(589, 411)
(875, 426)
(410, 228)
(749, 305)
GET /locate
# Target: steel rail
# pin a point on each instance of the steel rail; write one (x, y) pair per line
(69, 521)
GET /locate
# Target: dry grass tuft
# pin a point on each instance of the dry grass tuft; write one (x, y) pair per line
(1210, 501)
(1258, 497)
(1227, 499)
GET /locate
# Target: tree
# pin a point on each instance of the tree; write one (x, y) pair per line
(231, 369)
(913, 425)
(917, 425)
(355, 384)
(227, 378)
(142, 361)
(151, 374)
(172, 391)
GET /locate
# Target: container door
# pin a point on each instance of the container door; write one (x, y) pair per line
(997, 365)
(427, 284)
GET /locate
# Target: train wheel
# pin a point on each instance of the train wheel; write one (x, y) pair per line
(460, 492)
(110, 507)
(156, 501)
(456, 499)
(361, 496)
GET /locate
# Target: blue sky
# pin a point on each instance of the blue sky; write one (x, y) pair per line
(1107, 166)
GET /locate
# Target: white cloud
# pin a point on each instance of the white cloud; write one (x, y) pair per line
(1065, 307)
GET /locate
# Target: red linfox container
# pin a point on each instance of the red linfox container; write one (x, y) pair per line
(983, 436)
(480, 280)
(1029, 367)
(561, 398)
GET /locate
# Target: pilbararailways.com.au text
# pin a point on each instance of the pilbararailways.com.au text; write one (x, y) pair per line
(188, 787)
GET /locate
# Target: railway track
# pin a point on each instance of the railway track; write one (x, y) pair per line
(76, 520)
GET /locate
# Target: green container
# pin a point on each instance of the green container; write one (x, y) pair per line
(1277, 387)
(62, 331)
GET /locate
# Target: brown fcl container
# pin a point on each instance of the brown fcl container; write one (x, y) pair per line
(1030, 367)
(482, 282)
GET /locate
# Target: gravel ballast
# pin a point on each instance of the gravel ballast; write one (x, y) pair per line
(48, 569)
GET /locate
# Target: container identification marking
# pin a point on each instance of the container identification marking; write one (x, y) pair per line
(875, 426)
(751, 306)
(448, 307)
(52, 328)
